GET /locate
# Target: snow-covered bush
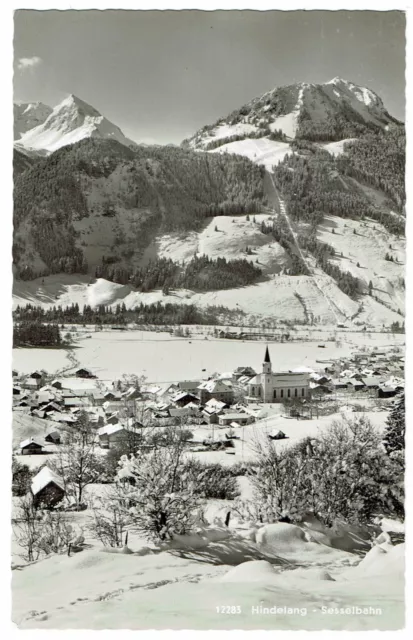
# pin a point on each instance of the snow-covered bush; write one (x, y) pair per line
(40, 533)
(344, 473)
(56, 533)
(21, 478)
(109, 520)
(211, 480)
(394, 434)
(157, 494)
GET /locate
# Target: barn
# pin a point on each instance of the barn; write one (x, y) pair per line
(111, 434)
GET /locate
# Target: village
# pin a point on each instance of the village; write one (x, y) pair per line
(220, 414)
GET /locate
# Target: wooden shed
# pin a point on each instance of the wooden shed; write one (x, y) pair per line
(47, 488)
(53, 437)
(30, 447)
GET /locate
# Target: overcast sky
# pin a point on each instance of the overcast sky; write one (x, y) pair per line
(161, 75)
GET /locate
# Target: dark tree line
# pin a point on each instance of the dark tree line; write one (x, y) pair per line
(143, 314)
(33, 333)
(199, 274)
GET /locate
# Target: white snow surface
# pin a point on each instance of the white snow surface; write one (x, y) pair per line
(181, 584)
(261, 150)
(29, 115)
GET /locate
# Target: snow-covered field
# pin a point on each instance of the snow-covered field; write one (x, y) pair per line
(261, 150)
(163, 358)
(257, 433)
(229, 237)
(364, 256)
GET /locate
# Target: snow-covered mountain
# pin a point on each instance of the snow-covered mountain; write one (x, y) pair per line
(29, 115)
(331, 111)
(71, 121)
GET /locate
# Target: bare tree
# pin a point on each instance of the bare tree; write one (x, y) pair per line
(27, 528)
(77, 461)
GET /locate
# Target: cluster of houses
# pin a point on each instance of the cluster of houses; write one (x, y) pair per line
(228, 400)
(378, 371)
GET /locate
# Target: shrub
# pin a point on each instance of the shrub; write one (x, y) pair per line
(212, 480)
(21, 478)
(156, 494)
(344, 473)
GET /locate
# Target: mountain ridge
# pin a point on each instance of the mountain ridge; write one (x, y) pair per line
(136, 216)
(70, 121)
(329, 111)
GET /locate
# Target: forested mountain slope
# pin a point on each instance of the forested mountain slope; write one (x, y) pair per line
(100, 199)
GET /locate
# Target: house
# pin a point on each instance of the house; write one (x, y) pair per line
(131, 394)
(47, 488)
(217, 389)
(339, 383)
(31, 384)
(16, 390)
(372, 382)
(243, 372)
(112, 406)
(64, 418)
(212, 410)
(240, 418)
(75, 402)
(190, 386)
(277, 387)
(110, 396)
(53, 437)
(52, 406)
(112, 434)
(355, 385)
(84, 373)
(183, 398)
(30, 447)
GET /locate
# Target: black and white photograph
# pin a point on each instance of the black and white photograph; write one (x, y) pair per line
(208, 320)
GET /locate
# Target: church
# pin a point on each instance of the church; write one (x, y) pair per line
(277, 387)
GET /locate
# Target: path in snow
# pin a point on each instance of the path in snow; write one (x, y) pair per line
(283, 210)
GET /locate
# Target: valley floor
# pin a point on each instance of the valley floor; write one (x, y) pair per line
(162, 357)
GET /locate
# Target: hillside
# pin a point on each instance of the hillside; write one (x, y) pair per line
(305, 183)
(99, 199)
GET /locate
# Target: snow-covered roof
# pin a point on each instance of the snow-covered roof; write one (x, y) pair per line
(234, 416)
(43, 478)
(25, 443)
(303, 370)
(109, 429)
(213, 403)
(181, 395)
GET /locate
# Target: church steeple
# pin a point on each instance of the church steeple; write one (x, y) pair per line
(266, 367)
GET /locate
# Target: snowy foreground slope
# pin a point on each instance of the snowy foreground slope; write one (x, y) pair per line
(278, 576)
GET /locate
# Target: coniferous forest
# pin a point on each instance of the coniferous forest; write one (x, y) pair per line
(165, 188)
(143, 314)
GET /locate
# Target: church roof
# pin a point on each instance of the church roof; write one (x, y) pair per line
(267, 356)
